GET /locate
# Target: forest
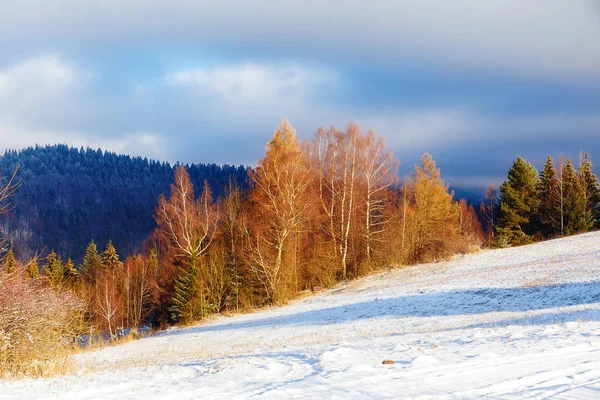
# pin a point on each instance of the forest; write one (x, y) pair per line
(68, 197)
(531, 206)
(229, 240)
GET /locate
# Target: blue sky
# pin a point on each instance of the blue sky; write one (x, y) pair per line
(475, 83)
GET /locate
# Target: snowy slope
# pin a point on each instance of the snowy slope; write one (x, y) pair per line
(511, 323)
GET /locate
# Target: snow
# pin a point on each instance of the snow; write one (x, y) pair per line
(498, 324)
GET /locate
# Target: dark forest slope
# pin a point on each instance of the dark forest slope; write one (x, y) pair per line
(69, 196)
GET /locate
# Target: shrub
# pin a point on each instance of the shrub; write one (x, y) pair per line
(38, 327)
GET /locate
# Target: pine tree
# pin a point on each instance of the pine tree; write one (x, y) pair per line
(54, 269)
(518, 204)
(574, 201)
(32, 269)
(549, 199)
(591, 193)
(92, 263)
(10, 263)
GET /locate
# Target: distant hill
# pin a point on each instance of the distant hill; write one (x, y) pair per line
(70, 196)
(472, 196)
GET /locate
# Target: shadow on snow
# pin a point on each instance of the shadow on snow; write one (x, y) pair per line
(474, 301)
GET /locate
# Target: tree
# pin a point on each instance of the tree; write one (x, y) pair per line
(232, 211)
(54, 270)
(108, 289)
(110, 259)
(139, 278)
(434, 217)
(326, 155)
(187, 225)
(7, 191)
(591, 192)
(487, 210)
(92, 263)
(574, 201)
(549, 199)
(107, 301)
(71, 275)
(280, 202)
(10, 263)
(335, 158)
(32, 268)
(468, 223)
(518, 203)
(379, 171)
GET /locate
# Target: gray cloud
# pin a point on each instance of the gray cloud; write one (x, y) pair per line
(554, 39)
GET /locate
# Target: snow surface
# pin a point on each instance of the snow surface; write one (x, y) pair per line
(500, 324)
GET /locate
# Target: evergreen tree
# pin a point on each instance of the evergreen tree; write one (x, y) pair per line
(185, 290)
(591, 192)
(518, 204)
(71, 275)
(112, 266)
(10, 263)
(32, 269)
(54, 269)
(92, 263)
(110, 259)
(549, 199)
(574, 201)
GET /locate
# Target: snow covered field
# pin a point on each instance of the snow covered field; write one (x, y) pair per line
(513, 323)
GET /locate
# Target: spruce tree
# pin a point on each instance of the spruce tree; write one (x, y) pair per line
(518, 204)
(185, 289)
(549, 199)
(10, 263)
(591, 193)
(54, 269)
(92, 263)
(71, 274)
(110, 259)
(574, 201)
(32, 269)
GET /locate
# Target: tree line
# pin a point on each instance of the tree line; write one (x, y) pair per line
(560, 200)
(312, 213)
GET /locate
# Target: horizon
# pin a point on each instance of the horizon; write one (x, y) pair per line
(467, 191)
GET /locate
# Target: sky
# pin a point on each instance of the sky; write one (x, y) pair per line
(474, 83)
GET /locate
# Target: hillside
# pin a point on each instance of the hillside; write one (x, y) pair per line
(70, 196)
(511, 323)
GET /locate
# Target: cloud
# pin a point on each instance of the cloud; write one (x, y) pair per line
(253, 82)
(44, 84)
(46, 100)
(537, 39)
(226, 112)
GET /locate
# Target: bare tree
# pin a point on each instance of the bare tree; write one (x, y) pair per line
(488, 211)
(379, 172)
(7, 190)
(188, 224)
